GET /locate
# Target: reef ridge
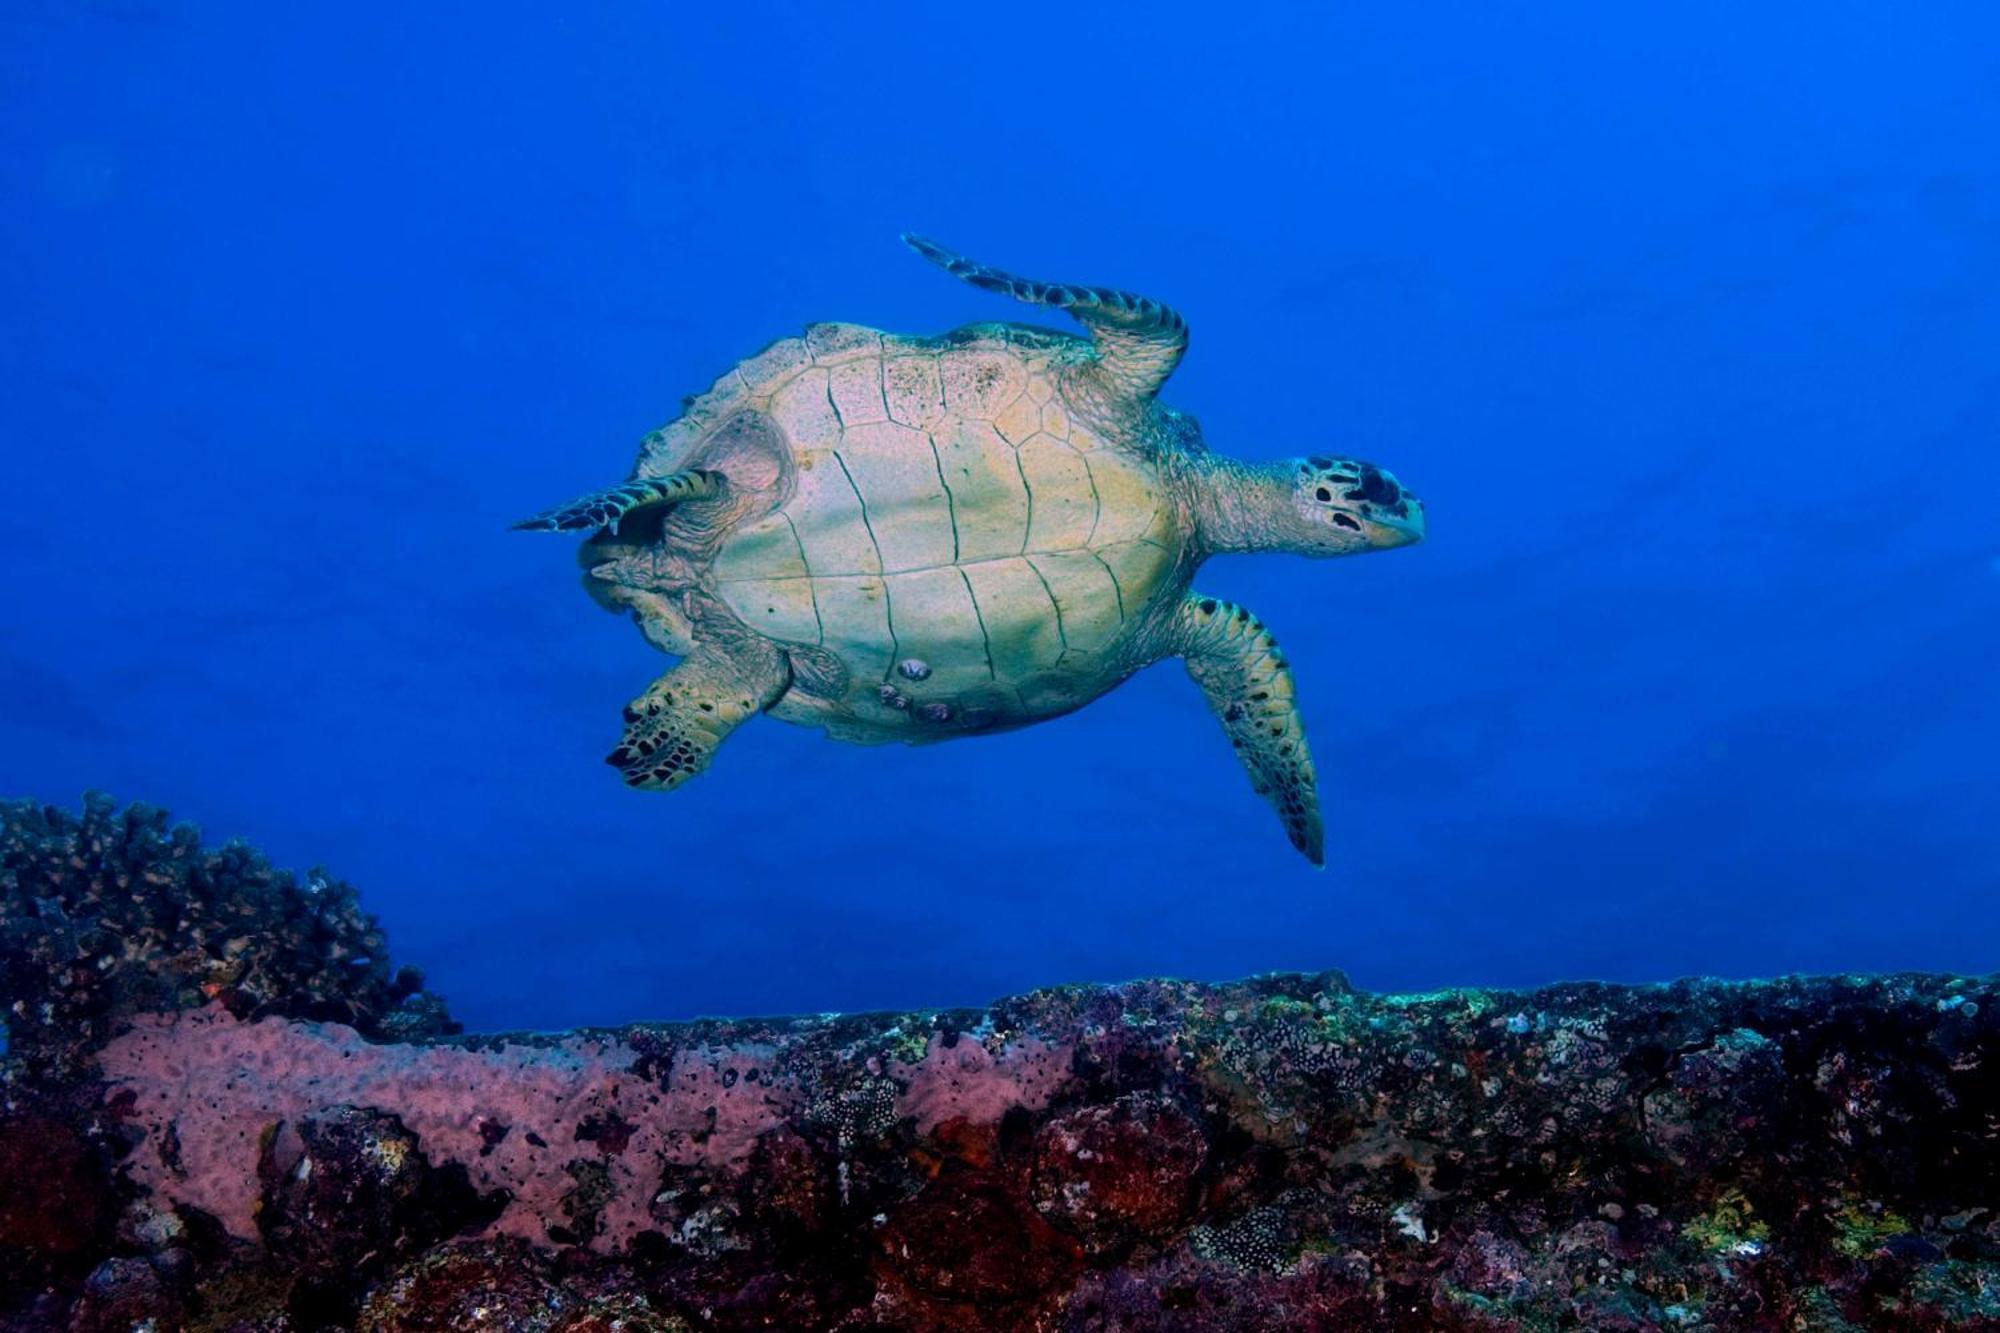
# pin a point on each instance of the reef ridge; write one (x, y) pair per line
(284, 1133)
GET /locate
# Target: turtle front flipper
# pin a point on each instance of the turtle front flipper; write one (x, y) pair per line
(1248, 685)
(673, 729)
(1139, 340)
(607, 508)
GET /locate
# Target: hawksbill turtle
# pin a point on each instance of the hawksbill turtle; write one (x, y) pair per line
(913, 539)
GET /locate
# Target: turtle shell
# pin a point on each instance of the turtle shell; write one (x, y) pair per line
(971, 553)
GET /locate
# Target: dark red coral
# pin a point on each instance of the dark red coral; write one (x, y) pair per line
(1120, 1172)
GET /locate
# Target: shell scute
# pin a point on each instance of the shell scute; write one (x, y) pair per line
(1047, 692)
(914, 391)
(1063, 512)
(1091, 609)
(1129, 505)
(909, 512)
(774, 363)
(856, 388)
(1019, 419)
(826, 511)
(989, 497)
(830, 343)
(1023, 627)
(1085, 440)
(783, 608)
(1136, 568)
(979, 383)
(802, 409)
(766, 548)
(938, 625)
(1055, 419)
(854, 611)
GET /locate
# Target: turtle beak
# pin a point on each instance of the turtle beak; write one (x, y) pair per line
(1391, 516)
(1398, 524)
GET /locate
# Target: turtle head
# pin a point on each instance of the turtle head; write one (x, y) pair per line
(1351, 505)
(1315, 506)
(1347, 506)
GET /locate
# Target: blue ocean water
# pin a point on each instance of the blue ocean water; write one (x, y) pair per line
(1684, 324)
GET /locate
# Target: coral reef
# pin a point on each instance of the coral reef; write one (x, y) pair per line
(1280, 1153)
(118, 912)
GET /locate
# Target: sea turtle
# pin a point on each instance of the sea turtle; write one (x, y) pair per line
(913, 539)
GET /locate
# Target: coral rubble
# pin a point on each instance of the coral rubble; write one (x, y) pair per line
(1280, 1153)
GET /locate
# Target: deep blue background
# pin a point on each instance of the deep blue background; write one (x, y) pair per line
(1685, 326)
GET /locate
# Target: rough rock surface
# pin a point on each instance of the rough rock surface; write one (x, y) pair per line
(1280, 1153)
(121, 912)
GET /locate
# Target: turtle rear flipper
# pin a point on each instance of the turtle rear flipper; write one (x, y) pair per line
(675, 727)
(1139, 341)
(607, 508)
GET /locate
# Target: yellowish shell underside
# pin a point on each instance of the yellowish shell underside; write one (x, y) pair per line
(947, 509)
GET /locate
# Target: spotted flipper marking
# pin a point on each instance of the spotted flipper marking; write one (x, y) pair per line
(1139, 340)
(607, 508)
(1249, 686)
(674, 728)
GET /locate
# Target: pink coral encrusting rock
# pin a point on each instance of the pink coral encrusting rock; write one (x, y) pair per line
(207, 1088)
(530, 1117)
(1280, 1152)
(1089, 1157)
(960, 1078)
